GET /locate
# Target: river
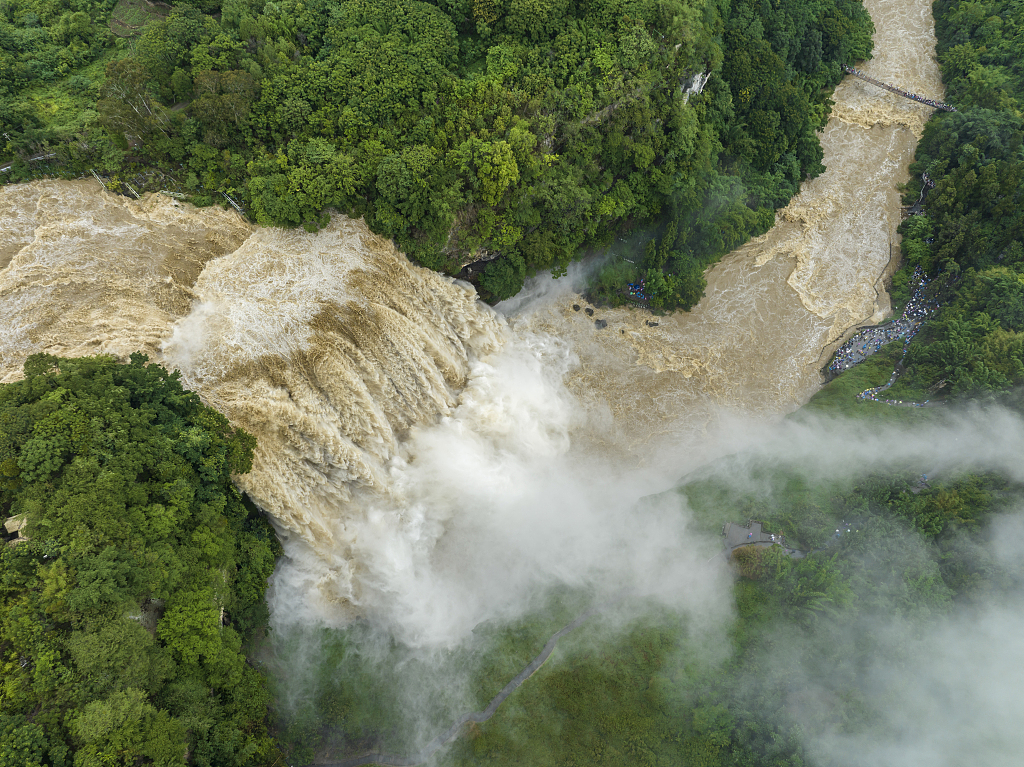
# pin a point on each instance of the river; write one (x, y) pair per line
(339, 355)
(776, 308)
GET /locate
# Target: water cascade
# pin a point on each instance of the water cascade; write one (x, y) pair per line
(401, 422)
(327, 347)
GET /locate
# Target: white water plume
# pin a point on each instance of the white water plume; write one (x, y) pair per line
(424, 462)
(329, 348)
(491, 506)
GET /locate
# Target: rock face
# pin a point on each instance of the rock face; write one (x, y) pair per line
(14, 530)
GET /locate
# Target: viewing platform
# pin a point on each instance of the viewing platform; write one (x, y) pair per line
(752, 534)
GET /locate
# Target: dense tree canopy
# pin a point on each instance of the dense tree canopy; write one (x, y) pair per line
(123, 615)
(516, 131)
(971, 231)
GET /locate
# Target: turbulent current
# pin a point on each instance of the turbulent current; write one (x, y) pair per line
(428, 461)
(776, 308)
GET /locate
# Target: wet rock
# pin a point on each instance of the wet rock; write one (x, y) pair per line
(652, 324)
(589, 311)
(575, 307)
(600, 324)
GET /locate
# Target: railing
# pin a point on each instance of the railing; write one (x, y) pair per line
(900, 91)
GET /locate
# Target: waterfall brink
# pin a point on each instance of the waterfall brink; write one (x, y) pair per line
(86, 272)
(328, 347)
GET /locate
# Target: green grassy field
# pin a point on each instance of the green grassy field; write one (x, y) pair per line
(838, 398)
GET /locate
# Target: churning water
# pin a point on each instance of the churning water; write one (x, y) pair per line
(430, 462)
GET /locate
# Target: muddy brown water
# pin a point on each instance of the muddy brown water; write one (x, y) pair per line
(776, 308)
(329, 347)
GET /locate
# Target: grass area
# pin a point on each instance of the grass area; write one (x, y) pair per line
(129, 17)
(365, 692)
(838, 398)
(598, 700)
(647, 690)
(67, 105)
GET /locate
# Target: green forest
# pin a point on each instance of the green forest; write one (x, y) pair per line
(132, 611)
(972, 229)
(520, 133)
(126, 611)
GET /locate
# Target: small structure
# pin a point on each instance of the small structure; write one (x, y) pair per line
(750, 534)
(753, 534)
(14, 530)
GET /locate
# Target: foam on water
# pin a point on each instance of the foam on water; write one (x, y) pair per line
(428, 461)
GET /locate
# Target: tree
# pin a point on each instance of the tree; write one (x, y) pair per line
(22, 743)
(224, 99)
(126, 105)
(503, 278)
(125, 479)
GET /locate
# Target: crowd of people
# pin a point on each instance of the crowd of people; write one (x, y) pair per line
(917, 309)
(844, 527)
(872, 394)
(870, 340)
(906, 94)
(636, 291)
(866, 343)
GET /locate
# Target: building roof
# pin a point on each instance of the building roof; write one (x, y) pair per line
(746, 535)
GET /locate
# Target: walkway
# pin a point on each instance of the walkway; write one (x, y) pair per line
(7, 168)
(870, 340)
(476, 716)
(899, 91)
(922, 304)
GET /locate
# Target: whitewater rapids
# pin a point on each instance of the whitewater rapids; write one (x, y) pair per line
(412, 443)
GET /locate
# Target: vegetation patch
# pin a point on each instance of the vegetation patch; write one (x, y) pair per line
(129, 17)
(138, 576)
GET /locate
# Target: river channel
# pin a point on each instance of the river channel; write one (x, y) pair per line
(775, 308)
(334, 352)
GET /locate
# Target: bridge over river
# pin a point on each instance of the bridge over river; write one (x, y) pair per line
(899, 91)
